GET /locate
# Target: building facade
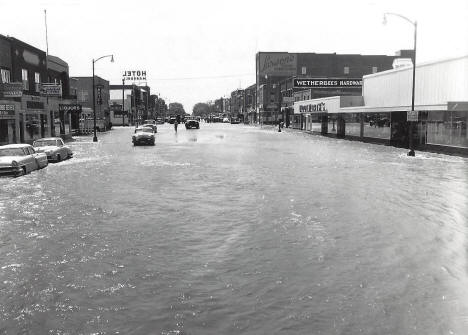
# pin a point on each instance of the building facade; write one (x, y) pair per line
(277, 74)
(28, 110)
(383, 115)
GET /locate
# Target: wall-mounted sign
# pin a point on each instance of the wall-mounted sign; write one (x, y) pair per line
(134, 75)
(99, 94)
(412, 116)
(34, 105)
(51, 90)
(70, 108)
(310, 108)
(327, 83)
(7, 111)
(11, 90)
(116, 108)
(276, 64)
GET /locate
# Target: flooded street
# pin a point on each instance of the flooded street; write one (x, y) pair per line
(234, 229)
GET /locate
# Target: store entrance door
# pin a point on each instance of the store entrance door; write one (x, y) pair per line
(399, 130)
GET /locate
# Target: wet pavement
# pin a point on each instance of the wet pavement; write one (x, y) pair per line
(233, 229)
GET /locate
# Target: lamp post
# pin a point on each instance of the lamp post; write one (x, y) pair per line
(411, 123)
(94, 98)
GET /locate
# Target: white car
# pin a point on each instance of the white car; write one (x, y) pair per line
(54, 148)
(143, 135)
(226, 120)
(19, 159)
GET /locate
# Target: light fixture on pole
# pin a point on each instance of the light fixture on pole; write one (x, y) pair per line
(411, 123)
(94, 98)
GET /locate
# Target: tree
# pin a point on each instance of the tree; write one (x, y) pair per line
(201, 109)
(176, 108)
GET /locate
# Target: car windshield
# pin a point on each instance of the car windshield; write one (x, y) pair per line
(144, 130)
(43, 143)
(12, 152)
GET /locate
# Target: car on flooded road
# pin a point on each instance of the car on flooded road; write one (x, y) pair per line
(54, 148)
(143, 135)
(191, 123)
(20, 159)
(151, 124)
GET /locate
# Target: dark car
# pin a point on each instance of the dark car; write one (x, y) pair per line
(192, 123)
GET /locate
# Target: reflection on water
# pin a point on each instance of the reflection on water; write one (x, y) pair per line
(232, 229)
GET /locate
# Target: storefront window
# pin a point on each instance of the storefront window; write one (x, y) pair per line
(332, 123)
(316, 122)
(377, 125)
(447, 128)
(32, 126)
(352, 124)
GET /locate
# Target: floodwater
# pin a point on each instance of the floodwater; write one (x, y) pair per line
(233, 229)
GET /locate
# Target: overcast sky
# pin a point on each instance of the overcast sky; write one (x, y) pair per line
(199, 50)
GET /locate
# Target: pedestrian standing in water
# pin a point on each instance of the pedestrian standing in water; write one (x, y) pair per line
(175, 125)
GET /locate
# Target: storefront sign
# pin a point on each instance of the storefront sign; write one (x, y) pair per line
(7, 111)
(412, 116)
(99, 94)
(11, 90)
(116, 108)
(328, 83)
(34, 105)
(51, 90)
(311, 108)
(276, 64)
(134, 75)
(70, 108)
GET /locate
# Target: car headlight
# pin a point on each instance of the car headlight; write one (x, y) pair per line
(14, 163)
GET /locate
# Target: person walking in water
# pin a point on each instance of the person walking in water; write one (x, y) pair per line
(175, 125)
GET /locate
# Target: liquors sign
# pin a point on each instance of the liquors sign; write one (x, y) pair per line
(134, 75)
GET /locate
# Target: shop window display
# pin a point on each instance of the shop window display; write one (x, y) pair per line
(377, 125)
(447, 128)
(316, 122)
(352, 124)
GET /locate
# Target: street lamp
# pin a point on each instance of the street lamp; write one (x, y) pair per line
(94, 99)
(415, 25)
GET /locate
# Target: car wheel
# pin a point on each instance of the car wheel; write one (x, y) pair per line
(22, 172)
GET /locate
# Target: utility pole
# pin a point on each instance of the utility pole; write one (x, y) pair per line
(123, 102)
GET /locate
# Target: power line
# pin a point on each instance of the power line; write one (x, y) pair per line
(207, 77)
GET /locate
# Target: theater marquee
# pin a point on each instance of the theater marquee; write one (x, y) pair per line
(328, 83)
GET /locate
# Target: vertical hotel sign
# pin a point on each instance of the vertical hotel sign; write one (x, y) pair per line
(282, 64)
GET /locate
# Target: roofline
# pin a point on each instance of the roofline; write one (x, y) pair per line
(420, 65)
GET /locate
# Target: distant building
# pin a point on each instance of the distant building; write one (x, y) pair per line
(84, 92)
(276, 72)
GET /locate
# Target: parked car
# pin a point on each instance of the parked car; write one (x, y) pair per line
(192, 123)
(235, 121)
(159, 120)
(226, 120)
(143, 135)
(151, 125)
(54, 148)
(19, 159)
